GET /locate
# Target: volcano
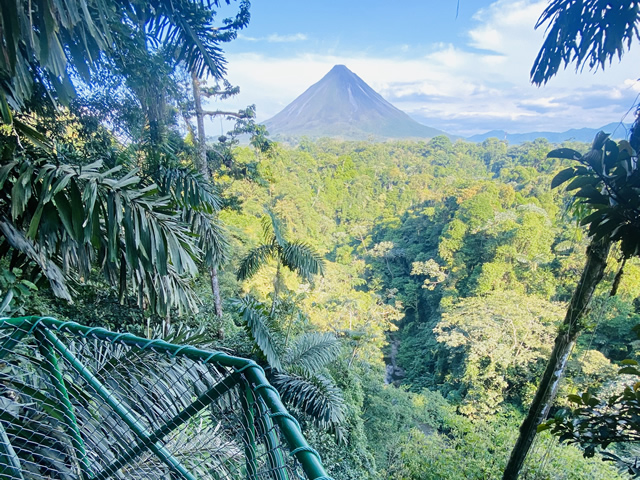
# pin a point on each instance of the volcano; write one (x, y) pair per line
(342, 105)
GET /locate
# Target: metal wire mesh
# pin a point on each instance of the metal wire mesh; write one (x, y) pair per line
(80, 403)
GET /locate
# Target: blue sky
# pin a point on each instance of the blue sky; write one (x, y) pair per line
(466, 73)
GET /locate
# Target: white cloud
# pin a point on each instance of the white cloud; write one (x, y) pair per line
(634, 84)
(275, 38)
(464, 89)
(295, 37)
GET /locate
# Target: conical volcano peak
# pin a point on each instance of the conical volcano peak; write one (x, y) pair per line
(342, 105)
(341, 74)
(341, 70)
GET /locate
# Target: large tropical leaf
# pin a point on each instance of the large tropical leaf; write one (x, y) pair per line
(68, 219)
(302, 259)
(311, 352)
(43, 41)
(316, 395)
(17, 241)
(588, 32)
(607, 185)
(254, 260)
(40, 47)
(258, 325)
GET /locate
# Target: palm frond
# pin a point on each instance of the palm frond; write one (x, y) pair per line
(188, 189)
(38, 45)
(272, 227)
(302, 259)
(50, 270)
(257, 323)
(42, 42)
(311, 352)
(212, 236)
(186, 30)
(67, 219)
(255, 259)
(316, 395)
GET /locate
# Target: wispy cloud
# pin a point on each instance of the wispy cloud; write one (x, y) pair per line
(295, 37)
(477, 85)
(276, 38)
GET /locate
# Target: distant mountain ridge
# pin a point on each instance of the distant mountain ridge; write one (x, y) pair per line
(342, 105)
(577, 134)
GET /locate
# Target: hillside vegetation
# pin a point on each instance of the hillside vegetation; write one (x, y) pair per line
(452, 262)
(404, 298)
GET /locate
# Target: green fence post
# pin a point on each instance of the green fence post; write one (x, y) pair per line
(308, 458)
(200, 403)
(248, 403)
(276, 460)
(51, 364)
(132, 422)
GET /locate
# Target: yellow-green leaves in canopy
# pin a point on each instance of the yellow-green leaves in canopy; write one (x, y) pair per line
(498, 340)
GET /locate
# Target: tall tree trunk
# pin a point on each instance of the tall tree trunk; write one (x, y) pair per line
(215, 289)
(203, 168)
(571, 328)
(202, 144)
(276, 289)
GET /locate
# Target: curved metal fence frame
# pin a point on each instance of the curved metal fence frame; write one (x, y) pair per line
(260, 398)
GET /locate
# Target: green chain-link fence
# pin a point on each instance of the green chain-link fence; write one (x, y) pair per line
(86, 403)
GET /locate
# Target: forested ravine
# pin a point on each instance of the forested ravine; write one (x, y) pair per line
(393, 373)
(471, 236)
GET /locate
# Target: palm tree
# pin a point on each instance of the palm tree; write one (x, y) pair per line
(63, 220)
(41, 47)
(299, 257)
(137, 229)
(299, 370)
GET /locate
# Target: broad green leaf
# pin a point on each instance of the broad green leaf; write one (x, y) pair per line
(629, 361)
(5, 111)
(35, 221)
(4, 172)
(575, 399)
(77, 211)
(629, 371)
(582, 181)
(562, 176)
(543, 426)
(566, 153)
(593, 217)
(30, 133)
(65, 212)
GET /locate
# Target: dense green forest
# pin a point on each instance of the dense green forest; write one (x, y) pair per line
(427, 279)
(450, 264)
